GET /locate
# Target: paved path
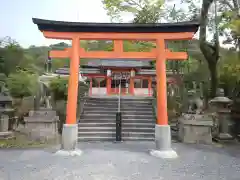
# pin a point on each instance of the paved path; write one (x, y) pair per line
(126, 161)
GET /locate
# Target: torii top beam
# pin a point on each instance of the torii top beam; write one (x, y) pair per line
(115, 31)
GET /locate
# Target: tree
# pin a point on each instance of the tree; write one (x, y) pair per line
(22, 84)
(142, 10)
(229, 72)
(210, 52)
(230, 21)
(11, 54)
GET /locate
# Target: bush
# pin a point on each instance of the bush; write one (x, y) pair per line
(59, 90)
(22, 84)
(58, 87)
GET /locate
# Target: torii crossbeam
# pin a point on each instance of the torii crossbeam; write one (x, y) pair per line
(118, 32)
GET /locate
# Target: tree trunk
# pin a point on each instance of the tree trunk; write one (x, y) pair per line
(210, 52)
(214, 79)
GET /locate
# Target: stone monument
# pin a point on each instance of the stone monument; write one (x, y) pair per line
(42, 122)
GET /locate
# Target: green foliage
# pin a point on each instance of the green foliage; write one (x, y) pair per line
(230, 69)
(230, 20)
(22, 84)
(144, 9)
(59, 63)
(59, 88)
(11, 55)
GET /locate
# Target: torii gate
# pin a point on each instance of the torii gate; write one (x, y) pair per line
(118, 32)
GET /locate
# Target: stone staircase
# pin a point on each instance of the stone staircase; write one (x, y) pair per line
(98, 123)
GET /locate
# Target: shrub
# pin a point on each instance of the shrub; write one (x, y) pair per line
(22, 84)
(58, 87)
(59, 90)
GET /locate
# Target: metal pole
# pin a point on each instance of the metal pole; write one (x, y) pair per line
(119, 96)
(119, 118)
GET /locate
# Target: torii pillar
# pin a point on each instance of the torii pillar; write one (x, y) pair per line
(70, 128)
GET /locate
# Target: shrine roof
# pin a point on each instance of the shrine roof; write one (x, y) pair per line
(119, 63)
(63, 26)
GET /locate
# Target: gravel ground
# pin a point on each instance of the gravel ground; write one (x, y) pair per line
(124, 161)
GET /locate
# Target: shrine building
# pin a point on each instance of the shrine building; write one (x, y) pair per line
(137, 78)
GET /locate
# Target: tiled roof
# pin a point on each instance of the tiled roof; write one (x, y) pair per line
(119, 63)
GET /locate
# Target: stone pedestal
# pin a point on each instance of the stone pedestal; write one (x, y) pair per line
(69, 137)
(69, 141)
(4, 133)
(42, 125)
(195, 130)
(163, 143)
(225, 124)
(4, 121)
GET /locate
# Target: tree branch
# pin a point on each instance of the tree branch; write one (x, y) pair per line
(227, 2)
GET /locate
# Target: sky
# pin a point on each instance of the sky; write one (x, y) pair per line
(16, 17)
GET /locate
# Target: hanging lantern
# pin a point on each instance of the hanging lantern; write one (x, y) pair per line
(109, 73)
(132, 73)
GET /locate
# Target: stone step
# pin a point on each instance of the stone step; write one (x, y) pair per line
(100, 104)
(113, 124)
(138, 138)
(138, 134)
(124, 112)
(88, 111)
(97, 133)
(137, 116)
(98, 115)
(113, 129)
(96, 124)
(122, 98)
(113, 134)
(91, 138)
(112, 139)
(100, 108)
(102, 99)
(136, 102)
(116, 104)
(130, 113)
(124, 116)
(99, 120)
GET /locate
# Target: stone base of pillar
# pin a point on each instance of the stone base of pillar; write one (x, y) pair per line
(69, 141)
(163, 142)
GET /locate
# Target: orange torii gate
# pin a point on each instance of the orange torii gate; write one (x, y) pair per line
(118, 32)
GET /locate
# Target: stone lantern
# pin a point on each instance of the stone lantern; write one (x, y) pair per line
(221, 105)
(5, 112)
